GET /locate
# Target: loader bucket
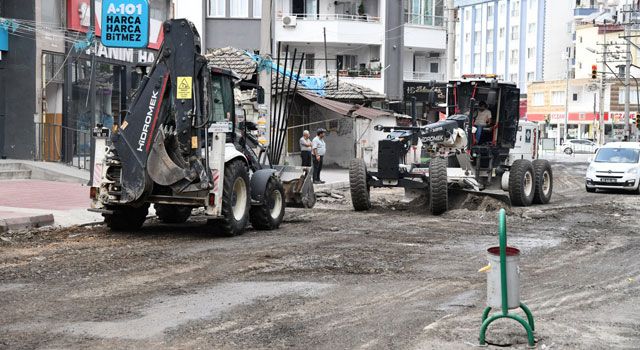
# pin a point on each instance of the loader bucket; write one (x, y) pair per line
(298, 186)
(160, 167)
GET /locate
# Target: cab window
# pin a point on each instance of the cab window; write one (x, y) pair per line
(221, 102)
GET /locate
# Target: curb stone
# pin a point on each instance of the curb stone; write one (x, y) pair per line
(25, 222)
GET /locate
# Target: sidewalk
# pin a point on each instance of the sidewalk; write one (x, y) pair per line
(35, 203)
(334, 179)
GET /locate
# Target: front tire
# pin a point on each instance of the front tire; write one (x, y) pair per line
(360, 196)
(236, 199)
(127, 219)
(543, 177)
(568, 151)
(521, 183)
(172, 214)
(269, 215)
(438, 187)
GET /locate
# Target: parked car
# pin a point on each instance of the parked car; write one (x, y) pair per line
(579, 146)
(615, 166)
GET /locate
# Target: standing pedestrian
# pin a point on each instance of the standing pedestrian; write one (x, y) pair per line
(318, 149)
(305, 148)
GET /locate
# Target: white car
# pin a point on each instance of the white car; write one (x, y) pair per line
(579, 146)
(615, 166)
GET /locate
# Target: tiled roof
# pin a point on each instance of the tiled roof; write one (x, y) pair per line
(236, 60)
(233, 59)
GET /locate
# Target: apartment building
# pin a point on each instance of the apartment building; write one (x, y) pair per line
(519, 40)
(378, 44)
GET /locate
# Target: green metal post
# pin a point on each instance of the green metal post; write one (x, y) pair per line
(528, 325)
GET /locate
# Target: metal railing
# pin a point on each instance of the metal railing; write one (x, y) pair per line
(412, 75)
(330, 17)
(424, 20)
(59, 143)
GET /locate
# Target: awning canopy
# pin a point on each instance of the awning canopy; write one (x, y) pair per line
(346, 109)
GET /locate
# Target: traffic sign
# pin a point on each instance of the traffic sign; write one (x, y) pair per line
(125, 23)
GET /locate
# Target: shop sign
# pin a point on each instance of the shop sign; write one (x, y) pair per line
(4, 39)
(123, 54)
(125, 23)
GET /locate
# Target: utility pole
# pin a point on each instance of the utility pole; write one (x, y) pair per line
(265, 74)
(566, 97)
(602, 88)
(627, 82)
(326, 59)
(451, 40)
(92, 81)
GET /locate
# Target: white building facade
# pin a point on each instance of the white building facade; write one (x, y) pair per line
(519, 40)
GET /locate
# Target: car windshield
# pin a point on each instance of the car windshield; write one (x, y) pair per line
(618, 155)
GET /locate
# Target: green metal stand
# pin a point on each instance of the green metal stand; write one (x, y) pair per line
(486, 320)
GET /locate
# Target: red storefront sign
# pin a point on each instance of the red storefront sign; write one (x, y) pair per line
(78, 19)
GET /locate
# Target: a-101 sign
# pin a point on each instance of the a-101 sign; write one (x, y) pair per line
(125, 23)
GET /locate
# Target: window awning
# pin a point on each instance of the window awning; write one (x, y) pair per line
(346, 109)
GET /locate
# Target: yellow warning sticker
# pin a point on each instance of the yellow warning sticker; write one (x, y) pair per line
(184, 88)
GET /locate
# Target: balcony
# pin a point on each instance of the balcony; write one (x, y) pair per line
(340, 28)
(426, 32)
(423, 76)
(583, 12)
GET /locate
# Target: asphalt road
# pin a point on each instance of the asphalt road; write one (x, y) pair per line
(391, 278)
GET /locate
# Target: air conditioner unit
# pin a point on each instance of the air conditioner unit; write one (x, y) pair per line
(289, 21)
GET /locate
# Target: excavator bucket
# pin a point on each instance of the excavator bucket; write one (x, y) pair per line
(298, 186)
(160, 166)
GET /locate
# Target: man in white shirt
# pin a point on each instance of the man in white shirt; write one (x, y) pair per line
(483, 120)
(305, 148)
(318, 150)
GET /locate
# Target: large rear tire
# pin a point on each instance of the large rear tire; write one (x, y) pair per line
(236, 199)
(269, 215)
(360, 196)
(172, 214)
(521, 183)
(543, 177)
(438, 187)
(127, 219)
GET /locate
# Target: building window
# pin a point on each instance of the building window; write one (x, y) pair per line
(557, 98)
(531, 52)
(513, 78)
(489, 36)
(532, 27)
(501, 9)
(426, 12)
(514, 57)
(538, 99)
(51, 11)
(532, 4)
(216, 8)
(515, 32)
(501, 33)
(434, 67)
(515, 9)
(476, 60)
(501, 56)
(309, 64)
(466, 37)
(347, 62)
(477, 39)
(257, 8)
(621, 97)
(579, 65)
(530, 76)
(239, 8)
(467, 59)
(580, 39)
(490, 13)
(489, 61)
(575, 97)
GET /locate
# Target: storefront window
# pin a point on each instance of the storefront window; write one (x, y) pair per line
(108, 98)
